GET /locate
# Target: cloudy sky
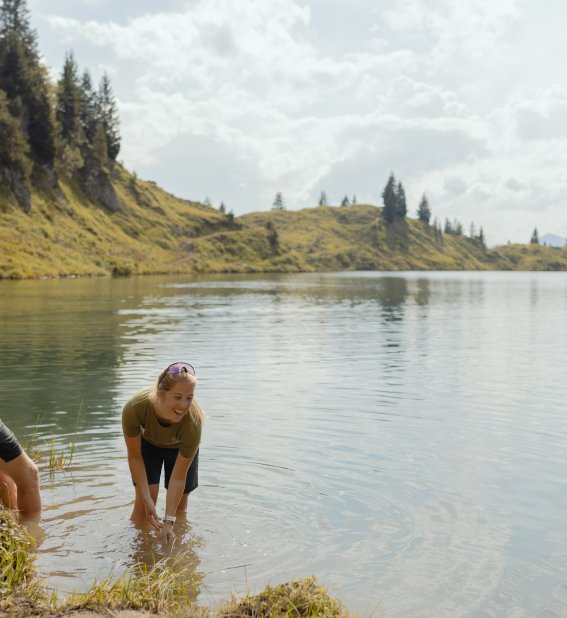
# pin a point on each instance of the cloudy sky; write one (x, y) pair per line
(238, 99)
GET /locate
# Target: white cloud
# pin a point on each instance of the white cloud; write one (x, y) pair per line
(440, 92)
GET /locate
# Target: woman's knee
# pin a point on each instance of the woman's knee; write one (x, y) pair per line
(24, 472)
(33, 475)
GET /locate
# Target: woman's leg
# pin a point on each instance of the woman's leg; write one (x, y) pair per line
(24, 473)
(191, 481)
(153, 462)
(182, 508)
(139, 512)
(8, 491)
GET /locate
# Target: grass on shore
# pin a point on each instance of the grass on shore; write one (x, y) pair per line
(59, 459)
(19, 586)
(158, 590)
(299, 597)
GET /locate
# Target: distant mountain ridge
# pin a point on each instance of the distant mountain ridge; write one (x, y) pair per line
(553, 240)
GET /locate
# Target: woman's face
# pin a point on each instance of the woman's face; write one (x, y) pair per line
(175, 403)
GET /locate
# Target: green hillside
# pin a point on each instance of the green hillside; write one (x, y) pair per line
(152, 231)
(68, 207)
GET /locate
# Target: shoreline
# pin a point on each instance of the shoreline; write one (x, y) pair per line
(141, 590)
(270, 272)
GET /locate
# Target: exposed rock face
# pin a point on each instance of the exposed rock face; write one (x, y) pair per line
(19, 187)
(98, 186)
(45, 179)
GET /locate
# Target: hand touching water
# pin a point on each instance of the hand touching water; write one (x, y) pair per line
(166, 532)
(151, 515)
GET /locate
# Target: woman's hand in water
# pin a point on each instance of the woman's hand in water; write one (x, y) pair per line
(167, 532)
(152, 516)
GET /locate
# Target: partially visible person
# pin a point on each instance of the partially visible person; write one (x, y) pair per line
(19, 476)
(162, 429)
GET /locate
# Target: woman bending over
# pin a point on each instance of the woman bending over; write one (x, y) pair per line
(162, 428)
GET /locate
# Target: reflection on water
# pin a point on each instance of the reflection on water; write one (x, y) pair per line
(401, 436)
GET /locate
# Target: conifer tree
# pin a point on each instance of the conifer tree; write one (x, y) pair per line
(273, 237)
(87, 106)
(222, 208)
(25, 80)
(423, 211)
(14, 17)
(108, 117)
(534, 240)
(447, 228)
(323, 199)
(481, 236)
(13, 144)
(100, 146)
(353, 201)
(278, 203)
(389, 199)
(69, 101)
(41, 128)
(345, 201)
(401, 206)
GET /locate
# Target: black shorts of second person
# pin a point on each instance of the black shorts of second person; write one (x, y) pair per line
(156, 457)
(9, 446)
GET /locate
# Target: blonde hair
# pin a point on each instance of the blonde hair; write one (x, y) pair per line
(167, 381)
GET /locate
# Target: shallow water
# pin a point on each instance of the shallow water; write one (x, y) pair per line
(400, 436)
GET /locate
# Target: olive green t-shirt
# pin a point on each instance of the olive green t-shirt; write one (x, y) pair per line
(138, 416)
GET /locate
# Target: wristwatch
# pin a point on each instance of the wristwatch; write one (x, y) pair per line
(170, 518)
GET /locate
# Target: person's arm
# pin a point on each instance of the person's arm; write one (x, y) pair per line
(174, 493)
(138, 472)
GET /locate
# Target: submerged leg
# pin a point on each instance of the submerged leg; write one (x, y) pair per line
(8, 491)
(24, 474)
(182, 506)
(138, 512)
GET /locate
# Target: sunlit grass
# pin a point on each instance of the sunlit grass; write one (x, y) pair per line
(18, 582)
(60, 459)
(300, 598)
(31, 448)
(155, 232)
(160, 589)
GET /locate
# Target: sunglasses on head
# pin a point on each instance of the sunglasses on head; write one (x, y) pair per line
(177, 369)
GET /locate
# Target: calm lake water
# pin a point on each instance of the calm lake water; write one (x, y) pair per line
(401, 436)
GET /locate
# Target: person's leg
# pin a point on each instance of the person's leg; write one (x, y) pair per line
(9, 449)
(25, 475)
(139, 512)
(191, 481)
(153, 462)
(8, 491)
(182, 508)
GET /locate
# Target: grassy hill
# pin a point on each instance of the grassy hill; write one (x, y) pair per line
(155, 232)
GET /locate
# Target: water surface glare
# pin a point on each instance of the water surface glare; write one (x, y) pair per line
(401, 436)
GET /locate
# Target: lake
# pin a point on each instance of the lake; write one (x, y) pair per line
(400, 435)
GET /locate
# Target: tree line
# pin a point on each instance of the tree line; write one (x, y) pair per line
(394, 206)
(69, 127)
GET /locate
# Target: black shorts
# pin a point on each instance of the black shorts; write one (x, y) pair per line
(9, 447)
(157, 456)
